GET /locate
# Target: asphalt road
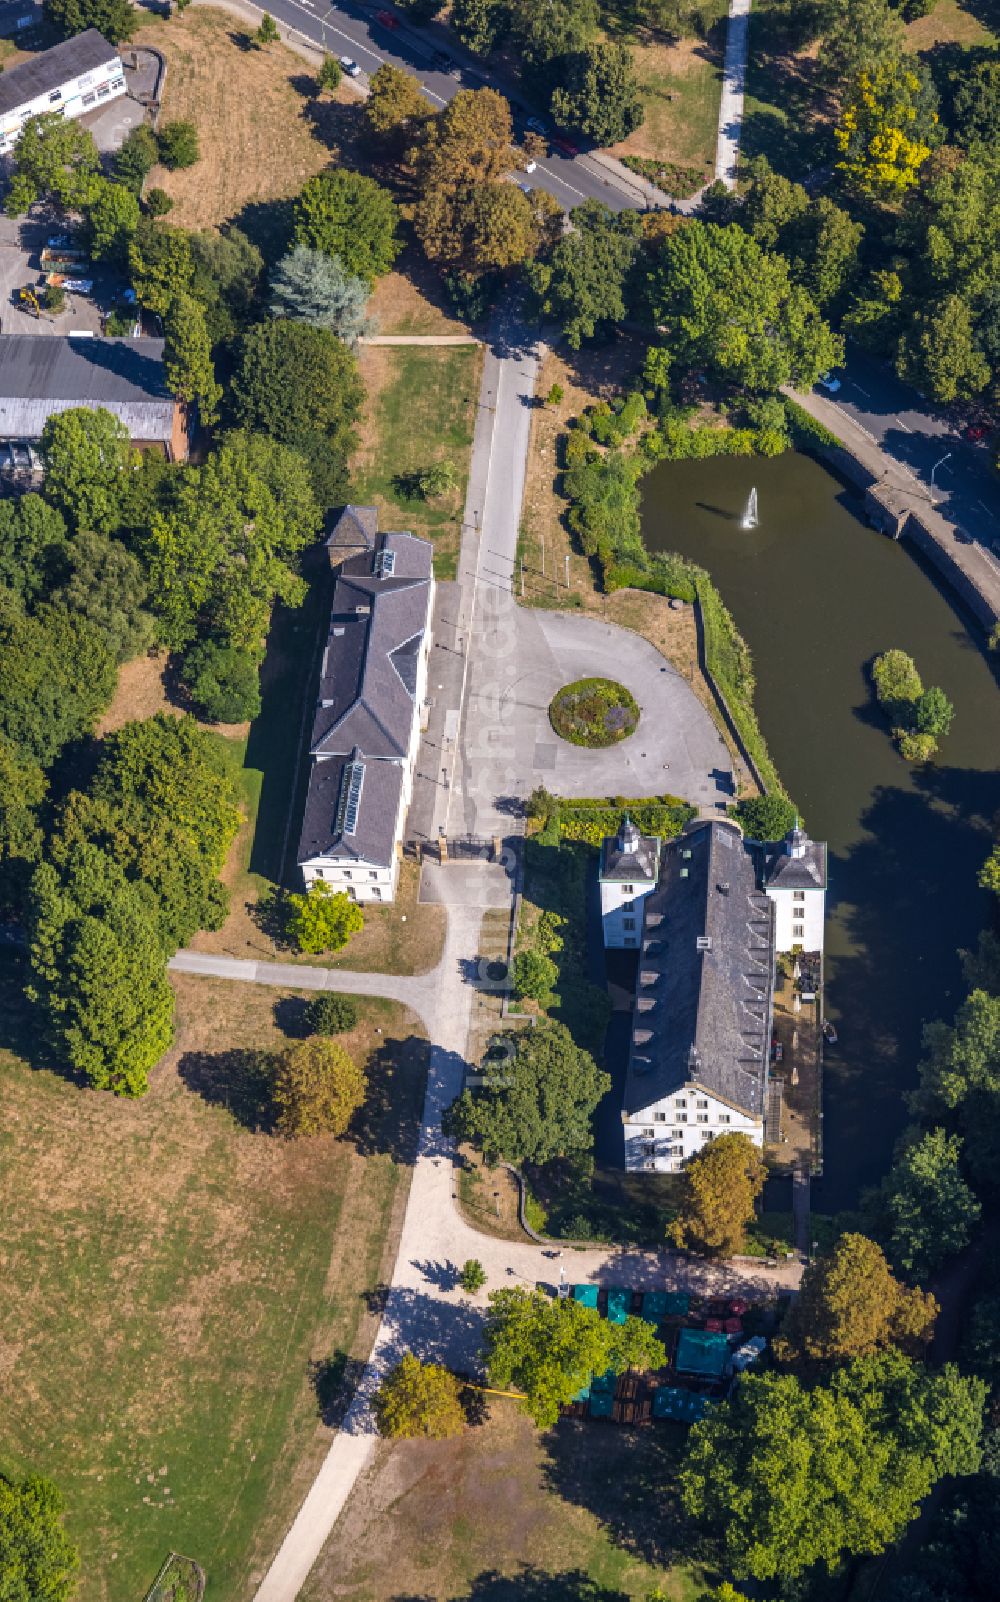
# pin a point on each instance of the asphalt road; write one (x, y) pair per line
(354, 30)
(965, 487)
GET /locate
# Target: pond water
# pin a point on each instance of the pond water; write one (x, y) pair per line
(817, 594)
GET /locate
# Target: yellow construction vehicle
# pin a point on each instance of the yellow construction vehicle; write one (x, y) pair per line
(29, 300)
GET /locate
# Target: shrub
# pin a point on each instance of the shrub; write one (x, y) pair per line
(178, 145)
(158, 203)
(897, 682)
(327, 1014)
(765, 817)
(329, 75)
(222, 681)
(534, 976)
(473, 1276)
(554, 395)
(323, 919)
(267, 33)
(54, 297)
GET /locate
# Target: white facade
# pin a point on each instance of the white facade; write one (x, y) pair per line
(628, 870)
(799, 917)
(72, 98)
(659, 1138)
(621, 912)
(360, 879)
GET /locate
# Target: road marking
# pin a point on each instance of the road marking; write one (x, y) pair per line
(557, 180)
(904, 426)
(855, 385)
(986, 509)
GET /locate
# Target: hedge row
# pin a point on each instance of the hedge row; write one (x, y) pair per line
(728, 659)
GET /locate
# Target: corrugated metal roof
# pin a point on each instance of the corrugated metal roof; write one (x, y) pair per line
(50, 69)
(41, 375)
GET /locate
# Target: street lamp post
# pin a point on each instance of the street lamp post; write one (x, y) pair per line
(945, 458)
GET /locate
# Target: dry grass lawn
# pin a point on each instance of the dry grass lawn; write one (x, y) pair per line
(180, 1288)
(950, 23)
(251, 109)
(502, 1513)
(680, 85)
(410, 299)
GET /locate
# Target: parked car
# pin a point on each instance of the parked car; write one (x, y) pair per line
(530, 166)
(976, 433)
(565, 146)
(59, 242)
(387, 19)
(828, 382)
(536, 125)
(350, 67)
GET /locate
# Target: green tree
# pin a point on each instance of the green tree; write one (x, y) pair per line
(329, 75)
(114, 18)
(227, 272)
(57, 674)
(599, 94)
(55, 160)
(534, 975)
(222, 680)
(932, 713)
(721, 1184)
(418, 1401)
(549, 29)
(437, 479)
(34, 549)
(157, 202)
(87, 457)
(98, 968)
(328, 1014)
(772, 204)
(112, 219)
(161, 263)
(229, 546)
(395, 101)
(793, 1477)
(537, 1099)
(898, 684)
(38, 1560)
(136, 158)
(582, 285)
(473, 1276)
(823, 247)
(267, 33)
(766, 817)
(316, 288)
(469, 142)
(23, 788)
(177, 143)
(187, 357)
(930, 1208)
(106, 586)
(733, 308)
(989, 873)
(858, 36)
(976, 104)
(317, 1088)
(849, 1305)
(939, 352)
(550, 1349)
(350, 216)
(301, 385)
(480, 24)
(323, 919)
(960, 1081)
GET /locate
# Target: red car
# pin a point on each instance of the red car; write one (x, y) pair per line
(565, 146)
(976, 432)
(387, 19)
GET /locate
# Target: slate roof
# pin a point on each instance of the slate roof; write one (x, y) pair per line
(50, 69)
(41, 375)
(356, 529)
(377, 625)
(780, 870)
(703, 999)
(373, 839)
(621, 865)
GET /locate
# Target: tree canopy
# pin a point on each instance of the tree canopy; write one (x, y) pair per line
(599, 94)
(87, 457)
(766, 817)
(850, 1305)
(537, 1100)
(350, 216)
(582, 283)
(114, 18)
(418, 1401)
(931, 1209)
(316, 288)
(57, 674)
(317, 1087)
(721, 1183)
(323, 919)
(960, 1080)
(550, 1349)
(38, 1561)
(56, 160)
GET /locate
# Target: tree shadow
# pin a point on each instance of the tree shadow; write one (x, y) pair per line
(388, 1121)
(444, 1275)
(243, 41)
(334, 1381)
(530, 1584)
(238, 1080)
(291, 1015)
(268, 224)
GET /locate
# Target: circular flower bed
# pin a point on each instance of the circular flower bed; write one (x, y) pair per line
(594, 712)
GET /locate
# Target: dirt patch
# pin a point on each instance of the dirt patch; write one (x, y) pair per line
(254, 111)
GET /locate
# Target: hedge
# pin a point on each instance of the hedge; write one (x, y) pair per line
(807, 433)
(727, 657)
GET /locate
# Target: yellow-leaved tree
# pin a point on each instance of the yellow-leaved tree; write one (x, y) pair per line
(878, 136)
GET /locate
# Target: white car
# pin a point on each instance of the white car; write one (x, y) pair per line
(828, 382)
(530, 166)
(350, 67)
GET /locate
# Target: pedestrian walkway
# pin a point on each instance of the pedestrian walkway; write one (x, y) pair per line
(734, 76)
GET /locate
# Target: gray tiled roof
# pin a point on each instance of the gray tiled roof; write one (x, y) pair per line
(373, 838)
(639, 864)
(41, 375)
(356, 529)
(780, 869)
(368, 679)
(703, 998)
(50, 69)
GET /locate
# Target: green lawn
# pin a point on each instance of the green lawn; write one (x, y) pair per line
(422, 409)
(504, 1513)
(171, 1279)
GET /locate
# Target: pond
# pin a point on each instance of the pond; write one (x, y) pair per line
(817, 594)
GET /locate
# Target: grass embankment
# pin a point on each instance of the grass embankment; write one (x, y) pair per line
(504, 1512)
(178, 1284)
(259, 141)
(680, 85)
(421, 410)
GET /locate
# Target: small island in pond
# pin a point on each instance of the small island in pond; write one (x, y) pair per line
(919, 717)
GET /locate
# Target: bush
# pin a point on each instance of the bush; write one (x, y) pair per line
(594, 713)
(473, 1276)
(222, 681)
(323, 919)
(327, 1014)
(765, 817)
(534, 975)
(54, 297)
(158, 203)
(914, 747)
(329, 75)
(178, 145)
